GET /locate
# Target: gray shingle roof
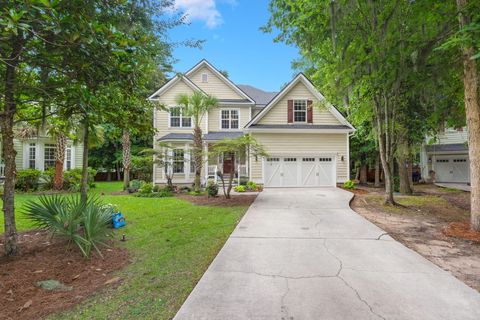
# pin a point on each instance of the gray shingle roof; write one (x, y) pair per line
(177, 136)
(299, 126)
(447, 147)
(207, 137)
(221, 135)
(260, 97)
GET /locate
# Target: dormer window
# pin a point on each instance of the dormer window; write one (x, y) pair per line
(299, 110)
(204, 77)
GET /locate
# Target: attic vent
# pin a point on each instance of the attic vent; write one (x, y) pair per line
(204, 77)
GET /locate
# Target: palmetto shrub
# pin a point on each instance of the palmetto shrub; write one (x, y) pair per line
(87, 224)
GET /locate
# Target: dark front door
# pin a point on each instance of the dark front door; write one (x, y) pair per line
(228, 162)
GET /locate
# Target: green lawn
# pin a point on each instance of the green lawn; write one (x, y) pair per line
(171, 242)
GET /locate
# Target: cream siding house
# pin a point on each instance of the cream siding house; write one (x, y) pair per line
(444, 158)
(306, 138)
(39, 153)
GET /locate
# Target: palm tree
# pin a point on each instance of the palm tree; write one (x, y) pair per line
(196, 106)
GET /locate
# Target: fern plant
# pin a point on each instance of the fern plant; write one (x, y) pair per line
(87, 224)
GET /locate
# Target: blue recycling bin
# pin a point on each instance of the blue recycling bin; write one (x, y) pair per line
(118, 220)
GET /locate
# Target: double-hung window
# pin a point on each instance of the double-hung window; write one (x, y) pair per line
(68, 158)
(32, 155)
(229, 119)
(299, 111)
(178, 120)
(178, 161)
(49, 156)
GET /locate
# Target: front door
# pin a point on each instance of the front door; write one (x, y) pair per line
(228, 162)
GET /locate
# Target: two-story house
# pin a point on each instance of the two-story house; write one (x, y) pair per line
(306, 138)
(444, 158)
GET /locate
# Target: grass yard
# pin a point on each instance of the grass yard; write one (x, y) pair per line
(171, 243)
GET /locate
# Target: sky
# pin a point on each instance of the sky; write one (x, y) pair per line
(233, 42)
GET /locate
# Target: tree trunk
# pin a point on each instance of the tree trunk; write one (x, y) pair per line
(384, 129)
(363, 174)
(410, 172)
(126, 159)
(9, 153)
(403, 175)
(230, 181)
(472, 110)
(84, 182)
(197, 155)
(61, 146)
(377, 171)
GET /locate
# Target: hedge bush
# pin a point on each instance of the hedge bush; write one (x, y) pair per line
(28, 179)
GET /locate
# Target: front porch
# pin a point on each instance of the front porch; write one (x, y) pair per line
(237, 163)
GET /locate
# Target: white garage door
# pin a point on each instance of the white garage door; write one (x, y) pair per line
(452, 168)
(304, 171)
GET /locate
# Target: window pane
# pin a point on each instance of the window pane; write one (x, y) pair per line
(234, 124)
(225, 114)
(31, 156)
(68, 156)
(186, 122)
(175, 112)
(178, 161)
(234, 114)
(174, 122)
(49, 156)
(225, 124)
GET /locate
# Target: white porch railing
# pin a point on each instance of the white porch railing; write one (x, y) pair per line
(212, 173)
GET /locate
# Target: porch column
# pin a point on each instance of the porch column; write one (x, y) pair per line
(205, 167)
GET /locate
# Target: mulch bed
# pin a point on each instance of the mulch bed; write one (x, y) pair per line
(43, 258)
(203, 200)
(461, 230)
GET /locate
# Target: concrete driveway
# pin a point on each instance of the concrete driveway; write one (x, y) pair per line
(303, 254)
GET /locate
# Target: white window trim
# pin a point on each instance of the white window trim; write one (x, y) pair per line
(230, 120)
(181, 119)
(306, 110)
(26, 154)
(43, 153)
(72, 157)
(173, 161)
(204, 74)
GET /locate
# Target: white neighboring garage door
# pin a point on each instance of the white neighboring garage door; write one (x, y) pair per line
(299, 171)
(455, 168)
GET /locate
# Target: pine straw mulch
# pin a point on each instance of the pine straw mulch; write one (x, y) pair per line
(43, 258)
(220, 200)
(461, 230)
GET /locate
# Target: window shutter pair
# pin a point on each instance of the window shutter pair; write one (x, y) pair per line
(290, 111)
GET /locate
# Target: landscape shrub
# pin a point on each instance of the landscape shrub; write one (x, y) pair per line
(47, 178)
(146, 188)
(87, 224)
(252, 186)
(142, 167)
(157, 188)
(212, 188)
(28, 179)
(240, 188)
(73, 178)
(349, 184)
(135, 185)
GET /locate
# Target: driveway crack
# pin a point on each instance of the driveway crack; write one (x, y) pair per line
(348, 284)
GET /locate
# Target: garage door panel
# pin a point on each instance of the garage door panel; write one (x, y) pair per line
(290, 172)
(272, 172)
(305, 171)
(455, 168)
(309, 172)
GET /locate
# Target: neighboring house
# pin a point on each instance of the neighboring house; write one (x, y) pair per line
(39, 153)
(444, 158)
(308, 145)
